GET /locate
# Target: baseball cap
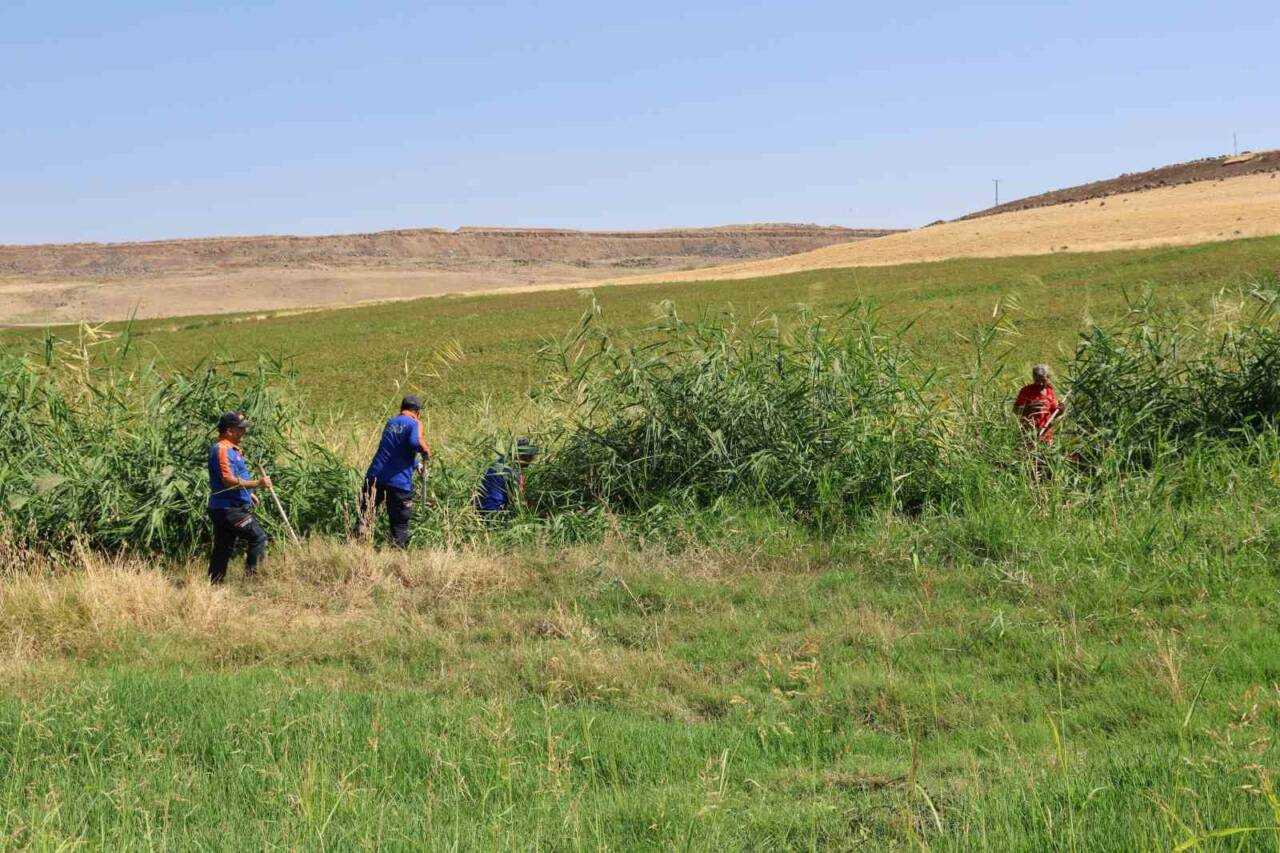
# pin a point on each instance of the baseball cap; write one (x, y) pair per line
(234, 419)
(411, 403)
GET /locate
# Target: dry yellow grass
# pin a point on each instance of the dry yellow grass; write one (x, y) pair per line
(55, 301)
(1247, 206)
(322, 595)
(322, 600)
(345, 605)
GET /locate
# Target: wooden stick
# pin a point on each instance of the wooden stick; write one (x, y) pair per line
(279, 506)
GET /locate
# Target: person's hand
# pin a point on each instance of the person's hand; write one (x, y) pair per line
(265, 482)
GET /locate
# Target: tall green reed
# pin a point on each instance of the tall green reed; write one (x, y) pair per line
(1159, 379)
(106, 449)
(819, 420)
(823, 419)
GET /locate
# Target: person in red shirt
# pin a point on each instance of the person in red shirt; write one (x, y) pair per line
(1037, 405)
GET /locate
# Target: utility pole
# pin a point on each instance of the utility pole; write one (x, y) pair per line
(997, 183)
(1235, 145)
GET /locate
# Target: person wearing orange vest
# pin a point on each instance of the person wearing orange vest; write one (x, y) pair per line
(231, 500)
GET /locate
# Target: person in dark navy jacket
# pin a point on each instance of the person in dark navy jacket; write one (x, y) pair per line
(389, 479)
(231, 499)
(502, 485)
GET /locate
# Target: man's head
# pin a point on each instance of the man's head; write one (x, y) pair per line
(1040, 374)
(526, 451)
(411, 403)
(233, 425)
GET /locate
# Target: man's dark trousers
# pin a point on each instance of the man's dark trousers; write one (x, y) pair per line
(399, 509)
(232, 525)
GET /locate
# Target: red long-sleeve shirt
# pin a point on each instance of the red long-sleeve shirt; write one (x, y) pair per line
(1039, 420)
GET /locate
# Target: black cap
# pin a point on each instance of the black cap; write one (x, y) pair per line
(411, 403)
(234, 419)
(526, 449)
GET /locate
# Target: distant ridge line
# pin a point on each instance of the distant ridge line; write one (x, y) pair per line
(748, 228)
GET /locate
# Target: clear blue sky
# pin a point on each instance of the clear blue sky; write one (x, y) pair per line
(138, 120)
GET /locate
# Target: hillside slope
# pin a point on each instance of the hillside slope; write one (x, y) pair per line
(94, 281)
(421, 248)
(1207, 169)
(1246, 206)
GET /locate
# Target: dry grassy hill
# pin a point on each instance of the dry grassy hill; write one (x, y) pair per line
(1194, 171)
(69, 282)
(1201, 201)
(1200, 212)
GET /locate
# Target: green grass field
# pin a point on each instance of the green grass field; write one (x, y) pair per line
(351, 360)
(1042, 667)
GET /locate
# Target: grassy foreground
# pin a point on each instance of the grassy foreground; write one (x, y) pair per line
(1064, 679)
(1076, 664)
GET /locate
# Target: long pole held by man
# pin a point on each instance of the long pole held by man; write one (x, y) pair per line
(275, 497)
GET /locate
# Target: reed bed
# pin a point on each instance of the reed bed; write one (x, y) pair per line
(821, 420)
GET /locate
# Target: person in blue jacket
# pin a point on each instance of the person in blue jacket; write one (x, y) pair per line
(389, 479)
(503, 484)
(231, 499)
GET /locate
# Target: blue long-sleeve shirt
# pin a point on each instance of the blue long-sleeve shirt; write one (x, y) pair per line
(397, 457)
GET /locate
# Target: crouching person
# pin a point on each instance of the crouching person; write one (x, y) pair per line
(389, 479)
(231, 500)
(503, 484)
